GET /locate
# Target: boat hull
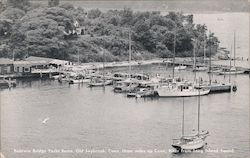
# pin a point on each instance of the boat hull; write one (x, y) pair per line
(99, 84)
(79, 81)
(173, 93)
(216, 88)
(193, 146)
(232, 73)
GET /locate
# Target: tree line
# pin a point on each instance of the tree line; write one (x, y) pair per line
(31, 29)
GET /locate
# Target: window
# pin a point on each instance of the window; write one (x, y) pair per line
(26, 69)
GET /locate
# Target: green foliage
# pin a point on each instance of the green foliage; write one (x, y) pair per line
(20, 4)
(53, 3)
(41, 32)
(94, 13)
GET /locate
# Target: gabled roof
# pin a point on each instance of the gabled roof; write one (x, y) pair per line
(5, 61)
(34, 58)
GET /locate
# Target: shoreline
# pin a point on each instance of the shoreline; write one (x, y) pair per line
(188, 61)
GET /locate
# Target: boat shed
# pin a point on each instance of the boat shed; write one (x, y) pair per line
(6, 66)
(26, 66)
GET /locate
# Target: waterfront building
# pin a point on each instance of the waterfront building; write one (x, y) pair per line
(6, 66)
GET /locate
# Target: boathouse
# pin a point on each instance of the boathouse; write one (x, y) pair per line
(6, 66)
(26, 66)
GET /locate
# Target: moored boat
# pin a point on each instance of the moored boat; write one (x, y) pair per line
(180, 67)
(200, 68)
(98, 82)
(232, 71)
(180, 90)
(193, 142)
(215, 87)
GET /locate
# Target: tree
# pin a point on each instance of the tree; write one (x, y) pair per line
(94, 13)
(2, 7)
(12, 14)
(53, 3)
(21, 4)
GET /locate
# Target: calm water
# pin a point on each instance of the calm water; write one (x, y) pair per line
(225, 27)
(96, 118)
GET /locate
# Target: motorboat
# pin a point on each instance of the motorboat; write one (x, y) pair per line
(180, 90)
(7, 83)
(180, 67)
(200, 68)
(232, 71)
(78, 79)
(98, 82)
(127, 85)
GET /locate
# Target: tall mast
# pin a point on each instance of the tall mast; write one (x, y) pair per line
(78, 57)
(210, 54)
(199, 110)
(230, 63)
(129, 54)
(234, 47)
(174, 54)
(204, 49)
(103, 69)
(194, 65)
(183, 116)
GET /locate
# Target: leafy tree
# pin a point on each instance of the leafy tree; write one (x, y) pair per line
(53, 3)
(20, 4)
(94, 13)
(12, 14)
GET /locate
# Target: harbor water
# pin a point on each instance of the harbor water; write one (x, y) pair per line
(99, 120)
(45, 118)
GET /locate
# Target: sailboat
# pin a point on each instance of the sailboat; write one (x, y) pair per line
(200, 67)
(232, 70)
(215, 86)
(192, 142)
(100, 81)
(179, 89)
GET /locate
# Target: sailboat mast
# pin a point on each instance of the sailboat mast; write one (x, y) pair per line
(183, 116)
(103, 68)
(78, 57)
(174, 54)
(234, 48)
(199, 110)
(210, 54)
(204, 49)
(194, 65)
(129, 54)
(230, 64)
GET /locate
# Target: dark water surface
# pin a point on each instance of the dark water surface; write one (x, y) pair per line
(86, 118)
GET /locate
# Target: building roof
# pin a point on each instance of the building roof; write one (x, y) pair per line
(34, 58)
(59, 62)
(30, 63)
(4, 61)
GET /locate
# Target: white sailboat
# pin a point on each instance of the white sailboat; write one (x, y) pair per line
(192, 142)
(203, 67)
(215, 86)
(179, 89)
(101, 81)
(232, 70)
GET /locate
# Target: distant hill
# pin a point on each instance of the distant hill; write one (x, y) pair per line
(167, 5)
